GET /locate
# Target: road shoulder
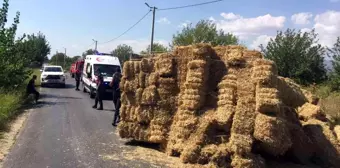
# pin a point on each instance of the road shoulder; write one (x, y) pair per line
(8, 139)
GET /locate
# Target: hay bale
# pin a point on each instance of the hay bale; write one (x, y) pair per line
(145, 66)
(240, 144)
(201, 51)
(337, 132)
(150, 95)
(224, 116)
(139, 95)
(310, 111)
(235, 55)
(126, 69)
(130, 86)
(137, 67)
(252, 161)
(273, 135)
(220, 51)
(324, 141)
(244, 117)
(165, 65)
(153, 79)
(142, 79)
(252, 54)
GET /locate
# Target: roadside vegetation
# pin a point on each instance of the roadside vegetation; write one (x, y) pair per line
(21, 56)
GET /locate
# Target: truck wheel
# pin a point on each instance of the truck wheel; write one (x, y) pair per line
(84, 89)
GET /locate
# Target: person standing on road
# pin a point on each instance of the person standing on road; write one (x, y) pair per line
(99, 93)
(30, 89)
(77, 77)
(116, 95)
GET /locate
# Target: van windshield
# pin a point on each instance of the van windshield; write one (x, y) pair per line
(53, 69)
(106, 70)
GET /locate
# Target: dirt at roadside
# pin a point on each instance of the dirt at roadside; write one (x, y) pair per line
(8, 138)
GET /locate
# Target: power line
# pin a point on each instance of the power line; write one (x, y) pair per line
(179, 7)
(128, 28)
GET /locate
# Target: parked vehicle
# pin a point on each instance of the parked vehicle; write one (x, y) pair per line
(52, 75)
(107, 65)
(73, 70)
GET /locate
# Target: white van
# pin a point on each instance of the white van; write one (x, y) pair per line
(107, 65)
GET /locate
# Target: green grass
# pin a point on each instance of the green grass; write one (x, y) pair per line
(12, 101)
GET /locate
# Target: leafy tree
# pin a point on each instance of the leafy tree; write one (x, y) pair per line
(157, 48)
(13, 64)
(40, 47)
(88, 52)
(297, 55)
(122, 52)
(58, 59)
(334, 53)
(205, 31)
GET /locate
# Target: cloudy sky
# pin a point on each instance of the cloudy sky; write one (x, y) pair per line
(72, 24)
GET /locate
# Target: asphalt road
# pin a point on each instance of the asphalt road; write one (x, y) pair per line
(64, 131)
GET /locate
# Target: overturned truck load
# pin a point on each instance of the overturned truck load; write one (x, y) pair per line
(224, 106)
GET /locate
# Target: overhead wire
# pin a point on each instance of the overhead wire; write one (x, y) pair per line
(128, 28)
(187, 6)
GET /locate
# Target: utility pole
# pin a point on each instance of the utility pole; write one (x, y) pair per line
(65, 57)
(153, 25)
(95, 42)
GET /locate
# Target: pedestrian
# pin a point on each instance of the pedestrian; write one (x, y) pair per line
(77, 77)
(30, 89)
(99, 92)
(116, 95)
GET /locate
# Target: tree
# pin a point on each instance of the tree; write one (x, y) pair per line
(13, 71)
(334, 53)
(205, 31)
(88, 52)
(157, 48)
(58, 59)
(297, 56)
(122, 52)
(40, 47)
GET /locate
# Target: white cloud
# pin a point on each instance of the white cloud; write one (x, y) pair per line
(303, 30)
(137, 45)
(327, 25)
(186, 23)
(244, 27)
(263, 39)
(230, 16)
(301, 18)
(163, 20)
(334, 1)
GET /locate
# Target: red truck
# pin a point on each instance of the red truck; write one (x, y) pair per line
(77, 66)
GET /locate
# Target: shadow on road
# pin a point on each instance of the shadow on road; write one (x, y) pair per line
(60, 97)
(67, 86)
(42, 104)
(143, 144)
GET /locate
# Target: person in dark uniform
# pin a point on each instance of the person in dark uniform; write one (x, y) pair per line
(30, 89)
(99, 93)
(77, 77)
(116, 95)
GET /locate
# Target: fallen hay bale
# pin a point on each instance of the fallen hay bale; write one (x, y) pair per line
(224, 106)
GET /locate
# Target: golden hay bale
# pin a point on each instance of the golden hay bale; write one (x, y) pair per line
(123, 129)
(244, 117)
(228, 81)
(150, 96)
(240, 144)
(273, 134)
(235, 56)
(252, 161)
(309, 111)
(122, 83)
(165, 65)
(337, 131)
(168, 84)
(197, 64)
(201, 51)
(139, 95)
(267, 106)
(137, 67)
(124, 111)
(145, 66)
(226, 102)
(290, 94)
(194, 80)
(220, 51)
(153, 79)
(264, 77)
(224, 115)
(142, 79)
(326, 145)
(126, 69)
(193, 85)
(252, 54)
(207, 153)
(130, 86)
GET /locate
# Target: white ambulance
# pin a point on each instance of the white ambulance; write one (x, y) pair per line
(107, 65)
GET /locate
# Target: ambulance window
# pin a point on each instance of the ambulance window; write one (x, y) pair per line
(88, 68)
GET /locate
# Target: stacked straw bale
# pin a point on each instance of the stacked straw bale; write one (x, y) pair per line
(225, 107)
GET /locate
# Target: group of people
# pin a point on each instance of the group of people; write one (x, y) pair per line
(30, 89)
(114, 84)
